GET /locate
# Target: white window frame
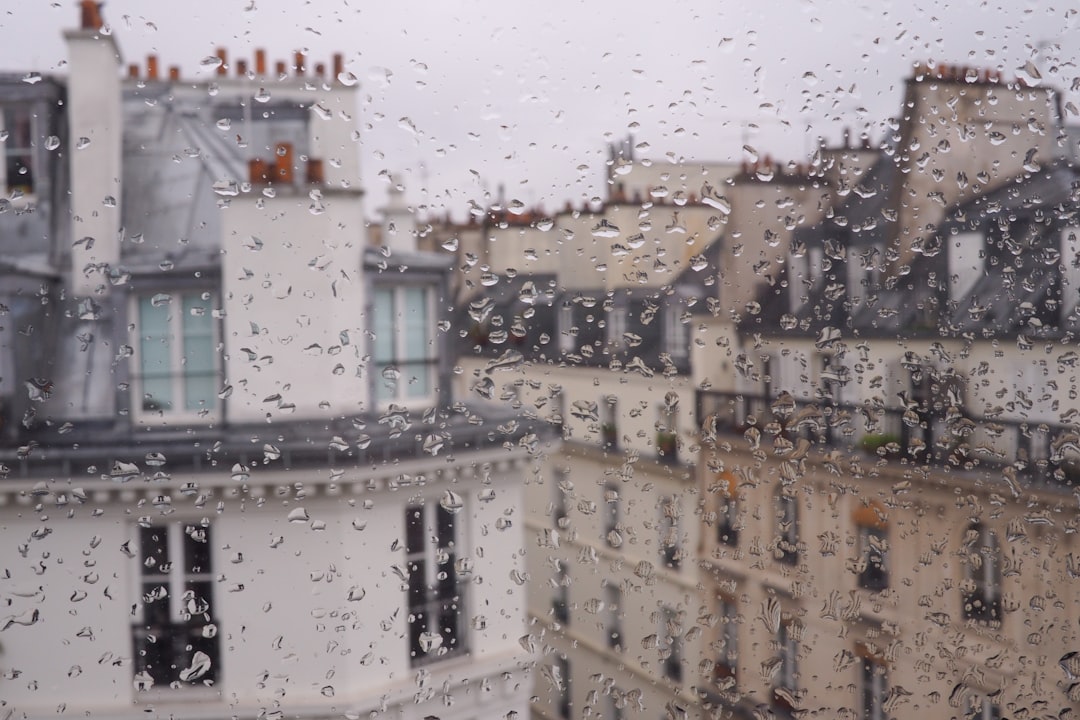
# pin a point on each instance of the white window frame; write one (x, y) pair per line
(565, 325)
(11, 150)
(179, 414)
(400, 357)
(431, 552)
(174, 580)
(676, 332)
(617, 319)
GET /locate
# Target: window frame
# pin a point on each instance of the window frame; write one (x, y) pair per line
(787, 530)
(987, 579)
(433, 586)
(873, 576)
(671, 651)
(873, 688)
(726, 664)
(160, 417)
(175, 582)
(400, 357)
(613, 513)
(12, 152)
(669, 532)
(613, 602)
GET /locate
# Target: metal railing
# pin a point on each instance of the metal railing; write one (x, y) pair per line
(1021, 451)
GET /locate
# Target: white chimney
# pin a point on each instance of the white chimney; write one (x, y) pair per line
(95, 142)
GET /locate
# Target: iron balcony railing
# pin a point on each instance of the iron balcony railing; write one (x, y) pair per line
(1021, 452)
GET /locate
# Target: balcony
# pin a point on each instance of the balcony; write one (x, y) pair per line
(1016, 450)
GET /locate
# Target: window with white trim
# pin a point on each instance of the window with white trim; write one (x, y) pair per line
(404, 347)
(177, 354)
(612, 514)
(18, 145)
(436, 592)
(174, 632)
(676, 332)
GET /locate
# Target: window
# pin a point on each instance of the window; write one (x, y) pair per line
(676, 332)
(979, 706)
(560, 603)
(175, 632)
(559, 488)
(667, 431)
(982, 575)
(404, 353)
(178, 358)
(567, 332)
(670, 551)
(18, 123)
(436, 594)
(727, 510)
(670, 641)
(612, 515)
(785, 684)
(561, 672)
(616, 327)
(873, 686)
(613, 602)
(609, 428)
(787, 527)
(727, 650)
(873, 546)
(613, 704)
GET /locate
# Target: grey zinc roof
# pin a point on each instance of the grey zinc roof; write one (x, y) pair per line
(173, 156)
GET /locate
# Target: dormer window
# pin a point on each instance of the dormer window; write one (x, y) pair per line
(676, 333)
(176, 357)
(18, 125)
(404, 347)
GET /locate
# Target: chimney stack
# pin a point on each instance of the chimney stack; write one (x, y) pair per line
(315, 175)
(174, 72)
(93, 110)
(221, 68)
(241, 68)
(298, 61)
(339, 65)
(279, 67)
(133, 71)
(151, 67)
(91, 15)
(260, 62)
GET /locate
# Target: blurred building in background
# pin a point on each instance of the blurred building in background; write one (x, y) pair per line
(819, 435)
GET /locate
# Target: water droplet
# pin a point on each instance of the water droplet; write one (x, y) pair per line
(52, 142)
(451, 502)
(298, 515)
(83, 142)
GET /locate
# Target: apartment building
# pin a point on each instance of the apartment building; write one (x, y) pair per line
(236, 482)
(879, 520)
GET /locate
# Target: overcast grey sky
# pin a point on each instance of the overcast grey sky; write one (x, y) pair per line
(462, 96)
